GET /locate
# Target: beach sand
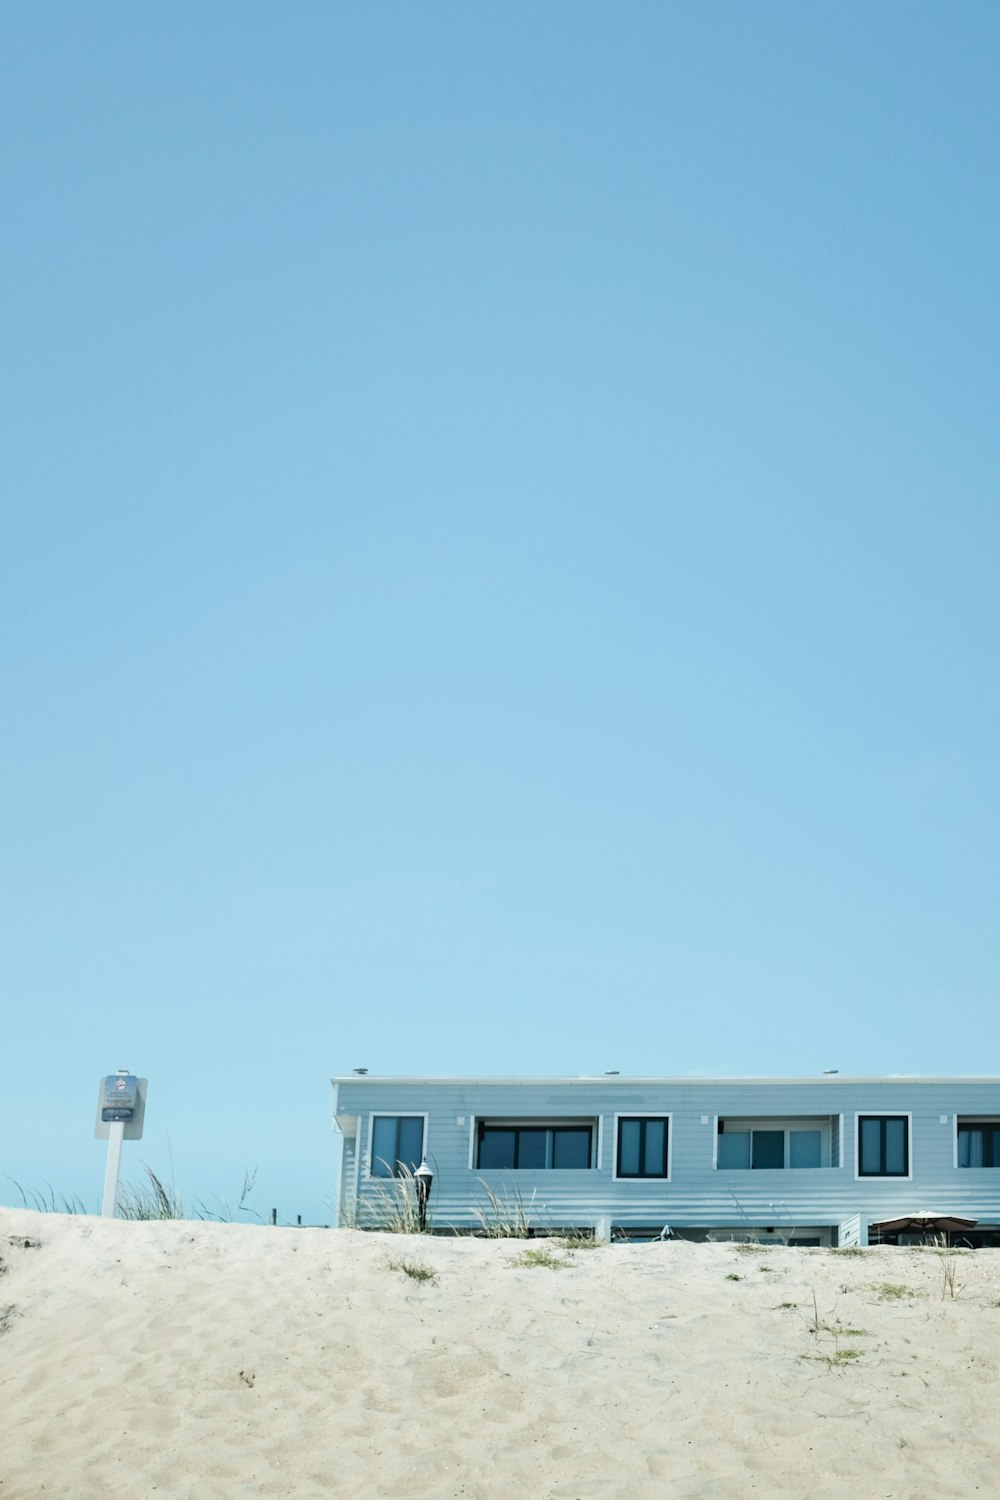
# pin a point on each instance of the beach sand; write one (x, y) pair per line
(189, 1361)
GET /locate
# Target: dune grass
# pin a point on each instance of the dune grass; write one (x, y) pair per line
(393, 1206)
(505, 1216)
(541, 1257)
(152, 1200)
(47, 1202)
(893, 1291)
(416, 1270)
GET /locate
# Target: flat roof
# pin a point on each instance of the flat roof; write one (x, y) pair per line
(645, 1079)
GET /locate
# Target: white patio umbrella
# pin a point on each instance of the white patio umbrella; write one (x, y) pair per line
(925, 1221)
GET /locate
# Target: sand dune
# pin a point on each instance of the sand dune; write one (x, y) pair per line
(190, 1361)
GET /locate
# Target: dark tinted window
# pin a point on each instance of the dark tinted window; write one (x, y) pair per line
(642, 1148)
(979, 1145)
(397, 1144)
(496, 1148)
(527, 1148)
(883, 1146)
(571, 1148)
(768, 1148)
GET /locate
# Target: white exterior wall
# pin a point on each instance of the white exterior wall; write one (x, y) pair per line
(697, 1193)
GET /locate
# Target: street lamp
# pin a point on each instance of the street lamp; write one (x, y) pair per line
(424, 1178)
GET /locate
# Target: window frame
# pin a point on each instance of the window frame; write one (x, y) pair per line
(397, 1115)
(978, 1122)
(883, 1115)
(827, 1127)
(641, 1114)
(549, 1123)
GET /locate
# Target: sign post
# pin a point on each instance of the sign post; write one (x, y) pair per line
(112, 1171)
(121, 1106)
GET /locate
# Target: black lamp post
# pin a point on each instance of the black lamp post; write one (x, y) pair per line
(424, 1178)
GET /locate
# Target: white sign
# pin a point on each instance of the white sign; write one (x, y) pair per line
(121, 1104)
(121, 1100)
(120, 1091)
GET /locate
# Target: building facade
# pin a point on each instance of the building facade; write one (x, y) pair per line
(808, 1161)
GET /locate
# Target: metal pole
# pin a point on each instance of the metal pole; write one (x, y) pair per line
(423, 1177)
(116, 1134)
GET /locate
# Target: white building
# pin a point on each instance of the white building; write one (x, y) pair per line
(798, 1160)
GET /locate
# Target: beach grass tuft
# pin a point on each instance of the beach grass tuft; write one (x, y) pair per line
(838, 1358)
(541, 1257)
(893, 1291)
(505, 1216)
(394, 1207)
(223, 1213)
(417, 1270)
(47, 1202)
(949, 1286)
(153, 1200)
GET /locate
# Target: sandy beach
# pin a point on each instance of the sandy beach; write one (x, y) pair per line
(195, 1360)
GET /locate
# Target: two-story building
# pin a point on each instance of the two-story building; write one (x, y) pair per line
(807, 1161)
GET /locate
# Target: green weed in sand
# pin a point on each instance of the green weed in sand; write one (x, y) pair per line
(415, 1269)
(541, 1258)
(837, 1358)
(893, 1291)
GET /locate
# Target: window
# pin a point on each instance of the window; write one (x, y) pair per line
(642, 1147)
(804, 1148)
(979, 1143)
(397, 1144)
(770, 1148)
(535, 1146)
(883, 1146)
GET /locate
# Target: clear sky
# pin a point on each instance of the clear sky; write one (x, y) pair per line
(498, 568)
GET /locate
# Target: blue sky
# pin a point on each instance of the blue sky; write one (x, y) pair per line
(498, 564)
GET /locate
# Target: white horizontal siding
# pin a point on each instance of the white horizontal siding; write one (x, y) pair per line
(696, 1193)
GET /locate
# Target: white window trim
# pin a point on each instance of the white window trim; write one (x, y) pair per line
(826, 1125)
(357, 1171)
(830, 1133)
(883, 1114)
(543, 1122)
(642, 1114)
(391, 1114)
